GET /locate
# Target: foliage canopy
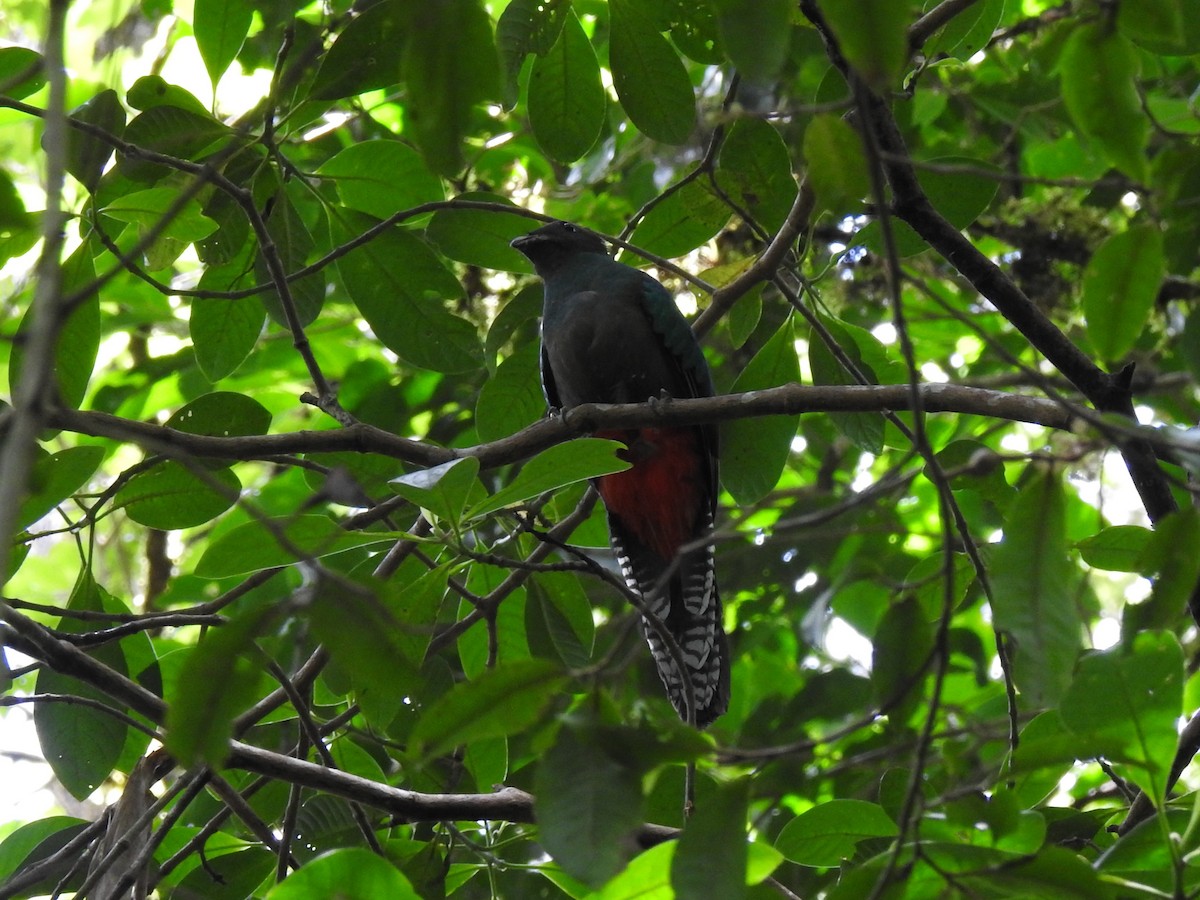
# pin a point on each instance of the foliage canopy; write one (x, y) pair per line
(307, 594)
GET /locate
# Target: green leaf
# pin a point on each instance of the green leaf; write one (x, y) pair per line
(1117, 548)
(223, 333)
(253, 547)
(294, 245)
(173, 131)
(968, 32)
(712, 854)
(220, 27)
(501, 702)
(754, 451)
(649, 77)
(873, 36)
(871, 360)
(82, 744)
(1031, 598)
(54, 478)
(22, 72)
(148, 209)
(443, 490)
(150, 91)
(903, 646)
(756, 35)
(647, 877)
(837, 166)
(527, 26)
(1166, 27)
(366, 55)
(588, 806)
(512, 398)
(87, 155)
(1119, 286)
(826, 835)
(1172, 556)
(171, 496)
(551, 469)
(567, 615)
(218, 680)
(401, 288)
(222, 414)
(35, 841)
(567, 102)
(1099, 69)
(687, 218)
(363, 634)
(79, 338)
(450, 64)
(755, 171)
(348, 872)
(481, 237)
(382, 178)
(1131, 698)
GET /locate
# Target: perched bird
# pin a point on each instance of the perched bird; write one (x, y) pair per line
(612, 334)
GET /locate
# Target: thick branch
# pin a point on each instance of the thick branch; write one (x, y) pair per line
(508, 804)
(788, 399)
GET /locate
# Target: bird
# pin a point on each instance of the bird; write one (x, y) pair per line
(611, 333)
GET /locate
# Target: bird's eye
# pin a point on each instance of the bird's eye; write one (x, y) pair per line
(571, 228)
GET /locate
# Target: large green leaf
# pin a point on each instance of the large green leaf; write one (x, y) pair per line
(873, 36)
(481, 237)
(78, 338)
(1099, 68)
(87, 155)
(588, 806)
(512, 398)
(754, 451)
(219, 678)
(172, 495)
(648, 75)
(1124, 704)
(401, 288)
(382, 178)
(255, 546)
(566, 98)
(527, 26)
(499, 703)
(443, 490)
(348, 872)
(365, 55)
(1119, 286)
(837, 166)
(712, 854)
(220, 27)
(22, 71)
(450, 64)
(295, 247)
(686, 218)
(54, 478)
(82, 743)
(173, 131)
(551, 469)
(756, 34)
(755, 171)
(828, 834)
(1030, 575)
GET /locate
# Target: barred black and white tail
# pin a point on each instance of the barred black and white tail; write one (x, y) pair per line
(686, 602)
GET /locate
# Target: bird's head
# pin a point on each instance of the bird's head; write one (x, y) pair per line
(550, 246)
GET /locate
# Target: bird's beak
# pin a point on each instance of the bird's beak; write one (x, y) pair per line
(518, 242)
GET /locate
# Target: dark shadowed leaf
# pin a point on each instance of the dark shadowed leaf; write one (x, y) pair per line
(1031, 600)
(172, 496)
(649, 78)
(1119, 286)
(566, 98)
(711, 858)
(754, 451)
(588, 807)
(1131, 698)
(500, 702)
(220, 27)
(756, 34)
